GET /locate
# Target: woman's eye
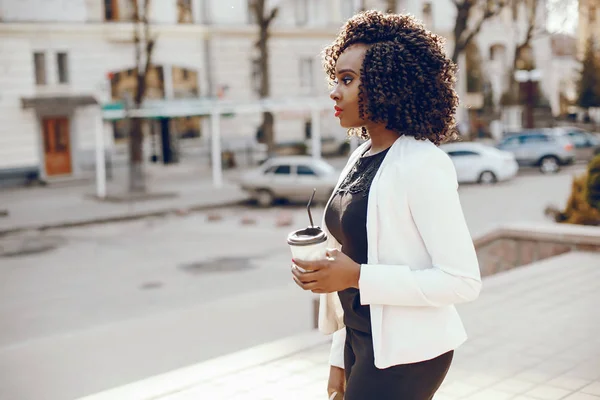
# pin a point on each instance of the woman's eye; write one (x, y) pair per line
(345, 80)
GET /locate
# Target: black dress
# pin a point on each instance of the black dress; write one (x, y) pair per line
(346, 219)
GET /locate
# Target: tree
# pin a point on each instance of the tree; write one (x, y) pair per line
(464, 27)
(144, 44)
(521, 59)
(474, 69)
(588, 87)
(264, 18)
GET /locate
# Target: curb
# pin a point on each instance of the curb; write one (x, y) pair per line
(121, 218)
(159, 386)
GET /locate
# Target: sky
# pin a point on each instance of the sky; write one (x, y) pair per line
(562, 16)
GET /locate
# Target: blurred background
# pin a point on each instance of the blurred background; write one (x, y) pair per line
(154, 155)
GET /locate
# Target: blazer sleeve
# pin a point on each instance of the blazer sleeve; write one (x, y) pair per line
(454, 277)
(336, 355)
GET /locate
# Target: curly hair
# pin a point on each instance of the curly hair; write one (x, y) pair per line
(407, 81)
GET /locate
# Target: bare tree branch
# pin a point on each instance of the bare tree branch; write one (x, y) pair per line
(143, 42)
(486, 15)
(462, 34)
(137, 43)
(531, 8)
(150, 41)
(264, 23)
(272, 15)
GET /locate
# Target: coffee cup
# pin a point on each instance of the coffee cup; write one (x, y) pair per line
(309, 244)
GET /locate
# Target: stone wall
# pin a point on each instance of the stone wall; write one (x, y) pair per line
(513, 246)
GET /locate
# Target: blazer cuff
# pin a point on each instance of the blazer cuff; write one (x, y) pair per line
(336, 355)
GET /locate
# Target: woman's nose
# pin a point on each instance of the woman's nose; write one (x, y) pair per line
(335, 94)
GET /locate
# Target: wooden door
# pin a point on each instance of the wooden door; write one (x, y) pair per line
(57, 146)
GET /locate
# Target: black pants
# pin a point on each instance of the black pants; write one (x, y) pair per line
(364, 381)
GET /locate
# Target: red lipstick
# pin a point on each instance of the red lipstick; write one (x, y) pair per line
(338, 111)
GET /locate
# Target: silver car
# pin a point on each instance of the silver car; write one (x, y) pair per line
(587, 144)
(541, 148)
(292, 178)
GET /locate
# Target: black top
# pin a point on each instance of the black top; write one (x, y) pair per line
(346, 219)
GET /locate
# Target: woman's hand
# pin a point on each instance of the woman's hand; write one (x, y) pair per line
(333, 274)
(337, 381)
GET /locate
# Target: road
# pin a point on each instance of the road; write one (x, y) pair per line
(121, 302)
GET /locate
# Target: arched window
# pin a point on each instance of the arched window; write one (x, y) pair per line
(498, 52)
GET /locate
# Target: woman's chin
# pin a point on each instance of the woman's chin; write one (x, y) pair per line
(346, 125)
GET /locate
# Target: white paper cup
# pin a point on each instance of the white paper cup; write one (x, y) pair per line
(308, 244)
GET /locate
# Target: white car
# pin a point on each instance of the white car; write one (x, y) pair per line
(291, 178)
(476, 162)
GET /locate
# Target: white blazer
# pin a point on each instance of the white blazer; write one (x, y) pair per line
(421, 258)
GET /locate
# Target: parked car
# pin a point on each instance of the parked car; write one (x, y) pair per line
(476, 162)
(587, 144)
(539, 148)
(291, 178)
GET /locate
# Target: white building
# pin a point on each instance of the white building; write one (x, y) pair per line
(57, 55)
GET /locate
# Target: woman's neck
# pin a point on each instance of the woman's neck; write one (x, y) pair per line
(381, 138)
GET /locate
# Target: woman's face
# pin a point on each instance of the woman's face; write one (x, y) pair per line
(345, 91)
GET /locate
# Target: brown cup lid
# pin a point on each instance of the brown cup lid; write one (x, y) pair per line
(307, 236)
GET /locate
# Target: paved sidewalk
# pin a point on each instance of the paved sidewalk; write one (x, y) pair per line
(73, 204)
(534, 334)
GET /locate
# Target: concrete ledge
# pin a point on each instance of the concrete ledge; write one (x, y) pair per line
(185, 378)
(121, 217)
(514, 245)
(126, 197)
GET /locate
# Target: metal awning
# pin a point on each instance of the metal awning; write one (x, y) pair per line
(57, 101)
(214, 108)
(207, 107)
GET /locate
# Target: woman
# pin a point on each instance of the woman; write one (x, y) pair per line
(402, 255)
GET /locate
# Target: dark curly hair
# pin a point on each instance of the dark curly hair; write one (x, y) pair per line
(407, 81)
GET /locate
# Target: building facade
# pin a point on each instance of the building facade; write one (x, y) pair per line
(65, 60)
(62, 60)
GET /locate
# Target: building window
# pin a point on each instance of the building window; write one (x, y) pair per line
(62, 64)
(306, 73)
(498, 53)
(111, 10)
(39, 61)
(301, 12)
(184, 11)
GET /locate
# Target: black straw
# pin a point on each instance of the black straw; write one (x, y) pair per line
(308, 208)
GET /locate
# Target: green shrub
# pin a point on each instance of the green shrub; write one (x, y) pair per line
(583, 205)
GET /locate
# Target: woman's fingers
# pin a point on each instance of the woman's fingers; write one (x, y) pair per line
(307, 286)
(311, 265)
(304, 277)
